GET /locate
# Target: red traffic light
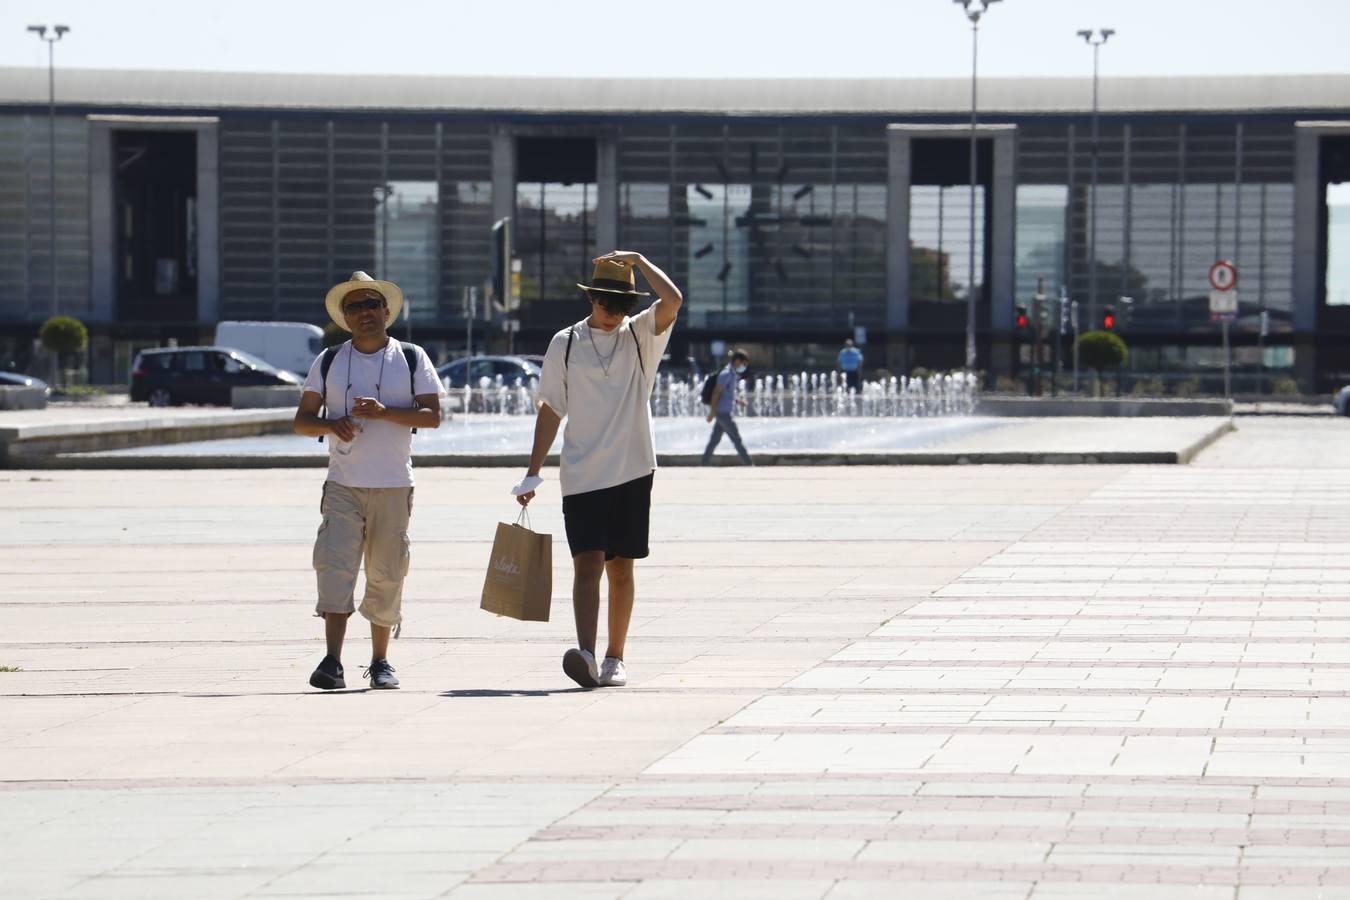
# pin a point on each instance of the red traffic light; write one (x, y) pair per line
(1022, 320)
(1109, 319)
(1020, 317)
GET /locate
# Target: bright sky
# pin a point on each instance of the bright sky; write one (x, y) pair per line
(703, 38)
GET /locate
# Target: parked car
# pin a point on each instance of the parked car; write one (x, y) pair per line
(176, 375)
(15, 379)
(471, 369)
(290, 346)
(1342, 401)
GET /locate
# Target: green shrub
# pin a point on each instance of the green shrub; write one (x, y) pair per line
(1148, 387)
(64, 335)
(1101, 350)
(1188, 388)
(919, 372)
(1284, 387)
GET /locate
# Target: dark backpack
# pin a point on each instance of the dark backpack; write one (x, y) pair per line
(330, 354)
(709, 387)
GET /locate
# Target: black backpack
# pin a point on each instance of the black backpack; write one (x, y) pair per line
(330, 354)
(709, 387)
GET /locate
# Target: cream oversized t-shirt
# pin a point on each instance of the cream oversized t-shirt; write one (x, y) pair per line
(608, 438)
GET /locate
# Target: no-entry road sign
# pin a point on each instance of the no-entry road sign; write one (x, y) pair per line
(1223, 275)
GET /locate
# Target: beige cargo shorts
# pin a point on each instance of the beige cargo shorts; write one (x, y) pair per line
(369, 524)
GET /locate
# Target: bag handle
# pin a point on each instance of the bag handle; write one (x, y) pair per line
(524, 517)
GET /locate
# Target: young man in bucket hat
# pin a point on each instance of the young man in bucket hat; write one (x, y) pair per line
(599, 375)
(366, 398)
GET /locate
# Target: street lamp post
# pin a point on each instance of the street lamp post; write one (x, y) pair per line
(974, 10)
(57, 32)
(1094, 39)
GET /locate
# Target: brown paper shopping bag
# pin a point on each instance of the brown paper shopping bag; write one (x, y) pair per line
(519, 580)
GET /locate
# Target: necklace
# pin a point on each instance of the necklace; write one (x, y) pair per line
(605, 361)
(347, 397)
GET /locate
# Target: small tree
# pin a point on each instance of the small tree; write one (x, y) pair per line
(63, 336)
(1100, 350)
(334, 335)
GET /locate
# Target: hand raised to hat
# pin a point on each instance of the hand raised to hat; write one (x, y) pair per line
(626, 257)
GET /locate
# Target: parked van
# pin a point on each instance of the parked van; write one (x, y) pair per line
(290, 346)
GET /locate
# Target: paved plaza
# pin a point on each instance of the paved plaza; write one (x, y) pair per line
(966, 681)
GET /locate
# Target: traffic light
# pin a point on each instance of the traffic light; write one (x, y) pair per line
(1020, 318)
(1109, 318)
(501, 262)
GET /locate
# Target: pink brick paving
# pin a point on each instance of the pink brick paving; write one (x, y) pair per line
(740, 869)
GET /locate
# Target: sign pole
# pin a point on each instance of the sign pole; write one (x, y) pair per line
(1073, 315)
(1227, 377)
(470, 310)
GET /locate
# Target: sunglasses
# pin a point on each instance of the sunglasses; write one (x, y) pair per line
(356, 306)
(616, 307)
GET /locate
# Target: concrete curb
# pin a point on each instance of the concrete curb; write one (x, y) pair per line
(671, 460)
(1191, 452)
(25, 445)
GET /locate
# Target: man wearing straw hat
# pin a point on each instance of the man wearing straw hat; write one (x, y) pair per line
(366, 398)
(599, 375)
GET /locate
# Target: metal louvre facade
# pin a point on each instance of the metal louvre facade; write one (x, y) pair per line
(299, 209)
(775, 228)
(787, 224)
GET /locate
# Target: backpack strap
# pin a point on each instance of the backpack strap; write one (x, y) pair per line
(410, 355)
(638, 344)
(567, 354)
(567, 357)
(326, 363)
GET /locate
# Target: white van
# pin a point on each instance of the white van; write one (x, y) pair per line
(291, 346)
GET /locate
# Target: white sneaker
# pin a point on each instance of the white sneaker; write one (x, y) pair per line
(580, 667)
(612, 673)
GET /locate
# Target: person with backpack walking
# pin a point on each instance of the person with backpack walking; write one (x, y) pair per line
(366, 397)
(599, 375)
(722, 404)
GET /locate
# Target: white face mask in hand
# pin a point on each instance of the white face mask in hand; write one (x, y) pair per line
(527, 484)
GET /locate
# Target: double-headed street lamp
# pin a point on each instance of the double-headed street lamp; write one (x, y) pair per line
(1094, 39)
(57, 32)
(974, 9)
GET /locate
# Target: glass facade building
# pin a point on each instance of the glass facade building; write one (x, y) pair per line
(791, 219)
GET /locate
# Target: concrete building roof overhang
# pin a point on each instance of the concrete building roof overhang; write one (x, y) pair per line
(151, 90)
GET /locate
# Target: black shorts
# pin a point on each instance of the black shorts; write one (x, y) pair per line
(613, 519)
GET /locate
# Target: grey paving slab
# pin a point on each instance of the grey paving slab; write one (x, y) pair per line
(986, 682)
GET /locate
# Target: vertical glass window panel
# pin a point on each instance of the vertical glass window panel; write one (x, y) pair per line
(1264, 253)
(803, 253)
(644, 215)
(407, 243)
(1338, 244)
(1041, 211)
(554, 238)
(860, 250)
(1109, 250)
(939, 233)
(1152, 242)
(1277, 252)
(1200, 226)
(719, 259)
(467, 214)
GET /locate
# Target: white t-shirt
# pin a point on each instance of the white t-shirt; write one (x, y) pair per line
(381, 455)
(608, 438)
